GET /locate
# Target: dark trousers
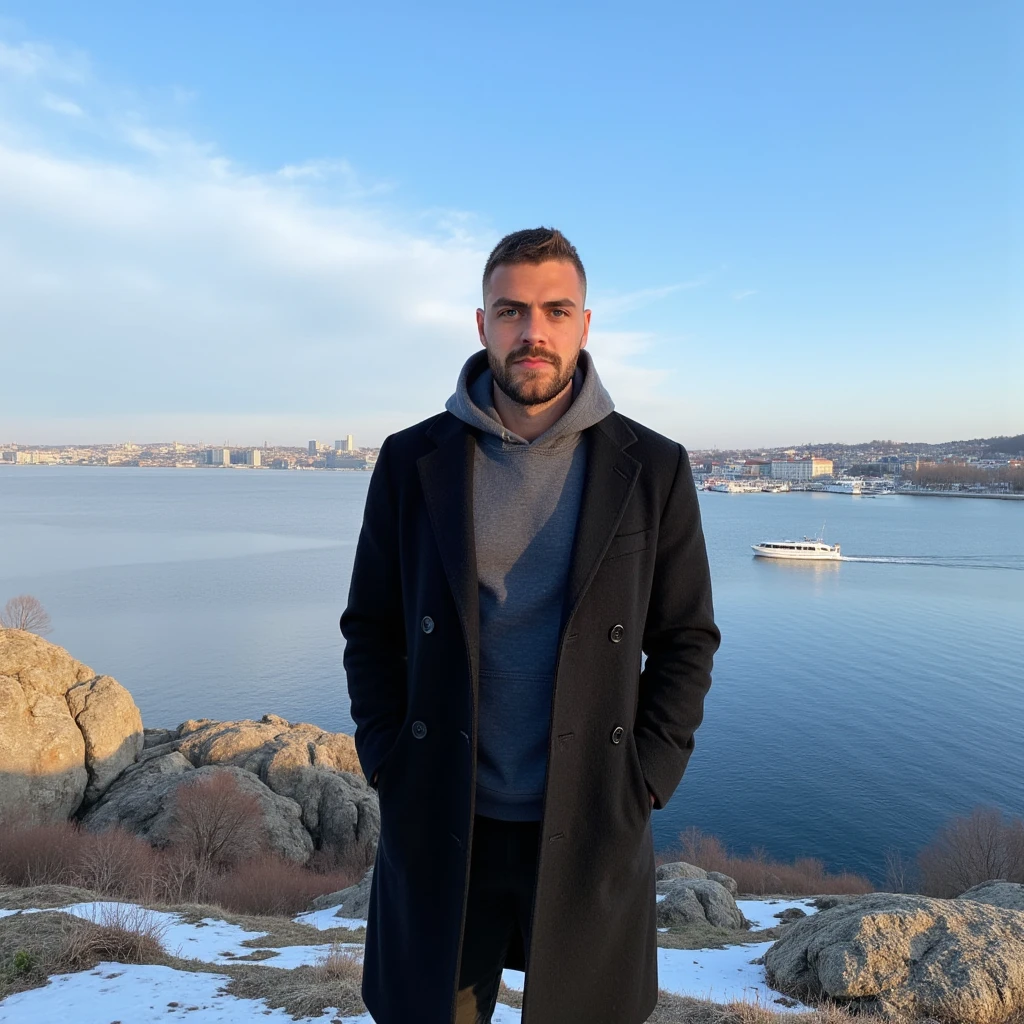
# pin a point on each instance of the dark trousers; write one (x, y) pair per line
(502, 880)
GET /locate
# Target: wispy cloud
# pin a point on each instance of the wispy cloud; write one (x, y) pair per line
(614, 305)
(741, 296)
(59, 105)
(37, 61)
(163, 284)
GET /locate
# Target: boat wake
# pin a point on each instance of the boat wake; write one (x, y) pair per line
(1012, 562)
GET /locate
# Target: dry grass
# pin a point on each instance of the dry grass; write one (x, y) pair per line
(305, 991)
(510, 996)
(758, 875)
(43, 897)
(271, 931)
(673, 1009)
(707, 936)
(34, 946)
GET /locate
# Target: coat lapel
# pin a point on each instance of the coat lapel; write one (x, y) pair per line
(446, 476)
(610, 477)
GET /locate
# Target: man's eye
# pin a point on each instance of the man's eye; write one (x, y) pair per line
(561, 312)
(510, 311)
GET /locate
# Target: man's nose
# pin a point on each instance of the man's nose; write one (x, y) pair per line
(533, 327)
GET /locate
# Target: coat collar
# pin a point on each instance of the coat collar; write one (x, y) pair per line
(446, 476)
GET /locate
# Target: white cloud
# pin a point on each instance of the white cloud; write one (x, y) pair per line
(614, 305)
(59, 105)
(181, 285)
(36, 60)
(151, 287)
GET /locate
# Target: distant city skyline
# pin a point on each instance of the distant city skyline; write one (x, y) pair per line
(797, 222)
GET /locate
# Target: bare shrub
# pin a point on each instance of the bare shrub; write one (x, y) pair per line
(180, 878)
(898, 871)
(272, 885)
(217, 823)
(25, 612)
(117, 863)
(758, 874)
(40, 854)
(972, 849)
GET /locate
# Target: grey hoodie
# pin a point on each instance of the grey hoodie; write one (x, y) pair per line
(526, 499)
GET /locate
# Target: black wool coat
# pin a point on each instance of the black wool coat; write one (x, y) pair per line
(638, 582)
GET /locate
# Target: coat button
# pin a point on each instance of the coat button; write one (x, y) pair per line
(616, 633)
(427, 624)
(617, 734)
(419, 729)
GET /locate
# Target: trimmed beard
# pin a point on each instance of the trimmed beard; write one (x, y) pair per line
(515, 389)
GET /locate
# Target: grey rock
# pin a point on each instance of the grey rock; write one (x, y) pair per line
(727, 880)
(351, 902)
(679, 869)
(142, 800)
(156, 737)
(997, 893)
(319, 770)
(679, 908)
(828, 902)
(694, 900)
(893, 954)
(790, 914)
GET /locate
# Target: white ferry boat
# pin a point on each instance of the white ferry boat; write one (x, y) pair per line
(808, 548)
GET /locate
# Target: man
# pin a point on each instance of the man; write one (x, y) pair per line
(518, 555)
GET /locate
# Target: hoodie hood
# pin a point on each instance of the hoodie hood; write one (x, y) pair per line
(473, 403)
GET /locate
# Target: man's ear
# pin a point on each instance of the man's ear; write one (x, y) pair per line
(586, 328)
(480, 327)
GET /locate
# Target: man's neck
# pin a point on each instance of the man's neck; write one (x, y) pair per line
(530, 421)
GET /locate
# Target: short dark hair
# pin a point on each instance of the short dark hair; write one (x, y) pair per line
(534, 245)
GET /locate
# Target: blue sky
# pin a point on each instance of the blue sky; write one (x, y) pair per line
(801, 221)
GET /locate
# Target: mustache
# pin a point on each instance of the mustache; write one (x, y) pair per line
(533, 353)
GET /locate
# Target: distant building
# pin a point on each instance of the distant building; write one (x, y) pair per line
(218, 456)
(345, 460)
(756, 467)
(246, 457)
(348, 445)
(21, 458)
(800, 469)
(282, 463)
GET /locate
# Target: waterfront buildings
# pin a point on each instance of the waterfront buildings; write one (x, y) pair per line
(800, 469)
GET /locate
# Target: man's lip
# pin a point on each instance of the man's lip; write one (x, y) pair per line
(533, 361)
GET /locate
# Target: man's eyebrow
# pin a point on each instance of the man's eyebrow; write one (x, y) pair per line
(516, 304)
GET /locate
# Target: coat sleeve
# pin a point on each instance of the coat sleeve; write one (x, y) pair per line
(373, 625)
(680, 640)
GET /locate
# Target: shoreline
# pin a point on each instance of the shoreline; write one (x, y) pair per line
(963, 494)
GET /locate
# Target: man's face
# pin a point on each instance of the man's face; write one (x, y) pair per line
(533, 326)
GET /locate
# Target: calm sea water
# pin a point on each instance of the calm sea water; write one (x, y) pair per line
(855, 705)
